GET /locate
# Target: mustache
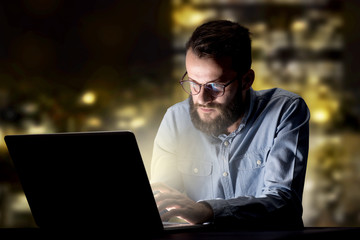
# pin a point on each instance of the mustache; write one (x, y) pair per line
(209, 105)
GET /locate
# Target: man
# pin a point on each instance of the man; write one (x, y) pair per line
(228, 154)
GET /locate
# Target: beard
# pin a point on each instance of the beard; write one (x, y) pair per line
(229, 114)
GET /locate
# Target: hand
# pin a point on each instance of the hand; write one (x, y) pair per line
(179, 205)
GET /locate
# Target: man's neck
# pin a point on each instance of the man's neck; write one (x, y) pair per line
(234, 126)
(237, 123)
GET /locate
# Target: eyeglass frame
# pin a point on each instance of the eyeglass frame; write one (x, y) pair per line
(201, 85)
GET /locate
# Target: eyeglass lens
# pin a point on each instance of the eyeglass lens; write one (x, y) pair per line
(194, 88)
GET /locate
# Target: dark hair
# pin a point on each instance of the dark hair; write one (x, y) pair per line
(222, 38)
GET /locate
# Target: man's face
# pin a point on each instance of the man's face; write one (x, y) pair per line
(214, 115)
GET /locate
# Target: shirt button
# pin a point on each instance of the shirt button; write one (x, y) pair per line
(225, 174)
(258, 162)
(196, 170)
(226, 143)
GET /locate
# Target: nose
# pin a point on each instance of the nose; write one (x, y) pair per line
(204, 96)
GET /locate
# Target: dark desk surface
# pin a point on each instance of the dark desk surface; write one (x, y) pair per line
(306, 233)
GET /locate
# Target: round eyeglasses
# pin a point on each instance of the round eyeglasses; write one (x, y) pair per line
(193, 88)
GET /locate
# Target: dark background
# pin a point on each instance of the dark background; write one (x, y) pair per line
(109, 64)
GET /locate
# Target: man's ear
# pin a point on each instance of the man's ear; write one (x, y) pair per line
(248, 80)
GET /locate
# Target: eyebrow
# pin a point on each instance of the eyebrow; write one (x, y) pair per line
(212, 81)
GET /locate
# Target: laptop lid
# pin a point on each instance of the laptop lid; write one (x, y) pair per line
(85, 180)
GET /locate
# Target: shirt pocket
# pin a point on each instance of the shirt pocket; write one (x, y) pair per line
(250, 174)
(253, 160)
(197, 179)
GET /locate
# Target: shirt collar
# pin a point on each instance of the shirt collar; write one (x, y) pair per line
(248, 110)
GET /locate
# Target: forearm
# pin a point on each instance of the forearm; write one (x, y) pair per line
(280, 211)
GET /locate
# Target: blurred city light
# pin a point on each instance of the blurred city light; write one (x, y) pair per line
(187, 16)
(88, 98)
(320, 116)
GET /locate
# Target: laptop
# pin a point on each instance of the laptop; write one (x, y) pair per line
(87, 180)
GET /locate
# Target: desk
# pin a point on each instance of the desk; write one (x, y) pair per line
(306, 233)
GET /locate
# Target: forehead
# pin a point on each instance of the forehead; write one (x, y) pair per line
(207, 69)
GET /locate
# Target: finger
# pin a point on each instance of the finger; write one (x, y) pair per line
(162, 196)
(180, 213)
(169, 205)
(170, 214)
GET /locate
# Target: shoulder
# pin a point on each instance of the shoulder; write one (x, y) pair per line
(276, 94)
(277, 97)
(278, 103)
(179, 108)
(177, 117)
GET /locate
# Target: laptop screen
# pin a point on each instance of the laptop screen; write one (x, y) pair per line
(92, 179)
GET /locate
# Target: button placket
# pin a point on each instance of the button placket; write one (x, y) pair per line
(225, 174)
(226, 151)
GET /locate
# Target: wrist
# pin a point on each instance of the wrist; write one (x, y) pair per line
(208, 212)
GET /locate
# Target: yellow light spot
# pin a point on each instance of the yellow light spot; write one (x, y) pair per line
(299, 26)
(89, 98)
(94, 122)
(138, 122)
(188, 16)
(321, 116)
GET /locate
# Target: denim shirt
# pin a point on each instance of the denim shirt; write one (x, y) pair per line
(253, 175)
